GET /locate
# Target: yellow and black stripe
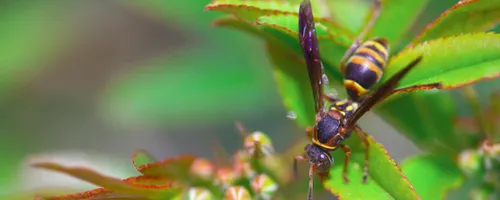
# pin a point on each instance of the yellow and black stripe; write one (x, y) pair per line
(365, 67)
(345, 108)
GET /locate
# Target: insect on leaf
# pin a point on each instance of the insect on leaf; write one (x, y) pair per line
(333, 42)
(290, 74)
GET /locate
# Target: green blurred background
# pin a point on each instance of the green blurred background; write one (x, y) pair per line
(89, 82)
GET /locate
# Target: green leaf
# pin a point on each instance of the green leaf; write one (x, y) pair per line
(454, 61)
(341, 12)
(396, 17)
(231, 22)
(151, 187)
(333, 42)
(288, 23)
(434, 114)
(385, 181)
(431, 116)
(465, 17)
(280, 31)
(291, 74)
(281, 15)
(432, 175)
(142, 157)
(250, 10)
(350, 13)
(293, 84)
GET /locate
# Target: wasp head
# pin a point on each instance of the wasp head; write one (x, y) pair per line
(319, 157)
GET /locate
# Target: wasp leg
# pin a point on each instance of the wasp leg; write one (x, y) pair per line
(295, 167)
(414, 88)
(310, 131)
(332, 140)
(323, 175)
(409, 89)
(311, 177)
(241, 129)
(377, 4)
(330, 98)
(347, 152)
(367, 151)
(418, 87)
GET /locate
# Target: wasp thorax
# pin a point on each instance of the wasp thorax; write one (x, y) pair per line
(328, 127)
(319, 157)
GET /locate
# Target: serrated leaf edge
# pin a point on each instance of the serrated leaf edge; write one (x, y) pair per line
(164, 161)
(323, 20)
(319, 23)
(405, 179)
(380, 145)
(136, 153)
(211, 7)
(431, 42)
(438, 19)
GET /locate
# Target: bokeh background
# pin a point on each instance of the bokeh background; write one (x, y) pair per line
(89, 82)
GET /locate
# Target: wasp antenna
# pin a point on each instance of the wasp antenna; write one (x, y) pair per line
(220, 154)
(241, 129)
(311, 178)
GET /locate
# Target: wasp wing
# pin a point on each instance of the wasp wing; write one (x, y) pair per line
(309, 43)
(379, 94)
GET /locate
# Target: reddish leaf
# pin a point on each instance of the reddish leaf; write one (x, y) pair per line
(99, 192)
(142, 157)
(175, 168)
(133, 186)
(202, 168)
(149, 181)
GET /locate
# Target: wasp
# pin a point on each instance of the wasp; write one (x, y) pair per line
(362, 66)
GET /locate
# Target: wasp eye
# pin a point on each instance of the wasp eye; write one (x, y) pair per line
(324, 162)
